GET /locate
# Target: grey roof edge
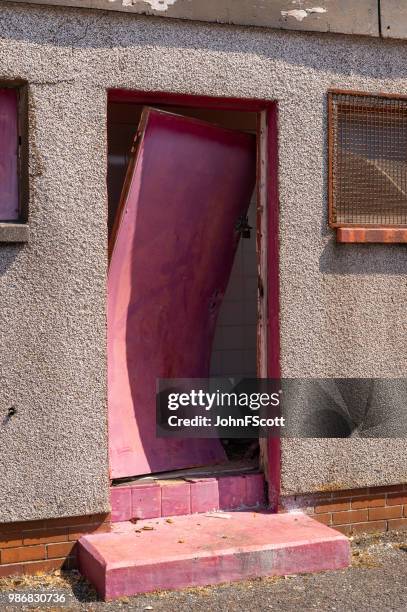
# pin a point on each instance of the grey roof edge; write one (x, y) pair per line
(393, 18)
(359, 17)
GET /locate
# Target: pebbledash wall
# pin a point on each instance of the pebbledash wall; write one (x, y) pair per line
(343, 308)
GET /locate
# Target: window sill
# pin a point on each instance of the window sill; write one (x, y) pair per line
(14, 232)
(371, 235)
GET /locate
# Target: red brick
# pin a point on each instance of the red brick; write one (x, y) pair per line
(204, 495)
(23, 553)
(397, 524)
(44, 536)
(11, 570)
(377, 514)
(325, 494)
(77, 532)
(70, 521)
(176, 499)
(61, 549)
(11, 543)
(17, 528)
(255, 494)
(334, 505)
(146, 501)
(232, 492)
(387, 489)
(345, 529)
(352, 516)
(43, 567)
(369, 527)
(352, 492)
(120, 499)
(396, 499)
(326, 519)
(21, 526)
(372, 501)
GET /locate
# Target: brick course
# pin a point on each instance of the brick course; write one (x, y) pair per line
(141, 500)
(372, 509)
(42, 546)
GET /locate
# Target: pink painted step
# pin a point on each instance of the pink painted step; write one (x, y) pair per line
(198, 550)
(143, 500)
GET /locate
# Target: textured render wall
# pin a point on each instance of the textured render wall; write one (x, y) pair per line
(53, 452)
(343, 307)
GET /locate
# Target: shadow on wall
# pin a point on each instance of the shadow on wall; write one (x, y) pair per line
(8, 255)
(345, 407)
(363, 258)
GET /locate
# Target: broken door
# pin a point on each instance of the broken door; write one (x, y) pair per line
(171, 254)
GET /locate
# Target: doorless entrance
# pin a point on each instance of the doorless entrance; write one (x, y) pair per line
(174, 239)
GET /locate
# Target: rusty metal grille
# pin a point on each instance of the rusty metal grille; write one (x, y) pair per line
(368, 160)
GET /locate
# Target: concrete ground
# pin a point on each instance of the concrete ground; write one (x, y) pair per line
(376, 581)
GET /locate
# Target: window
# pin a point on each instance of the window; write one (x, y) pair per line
(13, 166)
(368, 167)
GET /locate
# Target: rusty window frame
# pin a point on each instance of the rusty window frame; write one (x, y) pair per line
(362, 231)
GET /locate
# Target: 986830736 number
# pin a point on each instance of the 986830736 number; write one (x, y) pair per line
(35, 597)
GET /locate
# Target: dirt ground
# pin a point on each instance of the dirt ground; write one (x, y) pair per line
(376, 581)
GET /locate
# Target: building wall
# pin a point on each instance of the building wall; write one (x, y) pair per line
(30, 547)
(352, 511)
(342, 307)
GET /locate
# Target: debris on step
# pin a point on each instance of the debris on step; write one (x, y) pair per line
(220, 515)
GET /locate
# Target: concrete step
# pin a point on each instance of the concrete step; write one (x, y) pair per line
(178, 496)
(212, 548)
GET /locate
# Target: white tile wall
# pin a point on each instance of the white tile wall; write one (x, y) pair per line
(234, 347)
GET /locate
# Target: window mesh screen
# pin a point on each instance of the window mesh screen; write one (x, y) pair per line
(368, 160)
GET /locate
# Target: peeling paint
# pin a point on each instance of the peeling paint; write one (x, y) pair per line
(157, 5)
(316, 9)
(300, 14)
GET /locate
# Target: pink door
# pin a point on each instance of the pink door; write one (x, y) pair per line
(9, 205)
(172, 251)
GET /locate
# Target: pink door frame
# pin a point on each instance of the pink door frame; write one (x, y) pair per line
(9, 195)
(268, 250)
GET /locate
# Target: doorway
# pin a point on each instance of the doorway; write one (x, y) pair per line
(241, 340)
